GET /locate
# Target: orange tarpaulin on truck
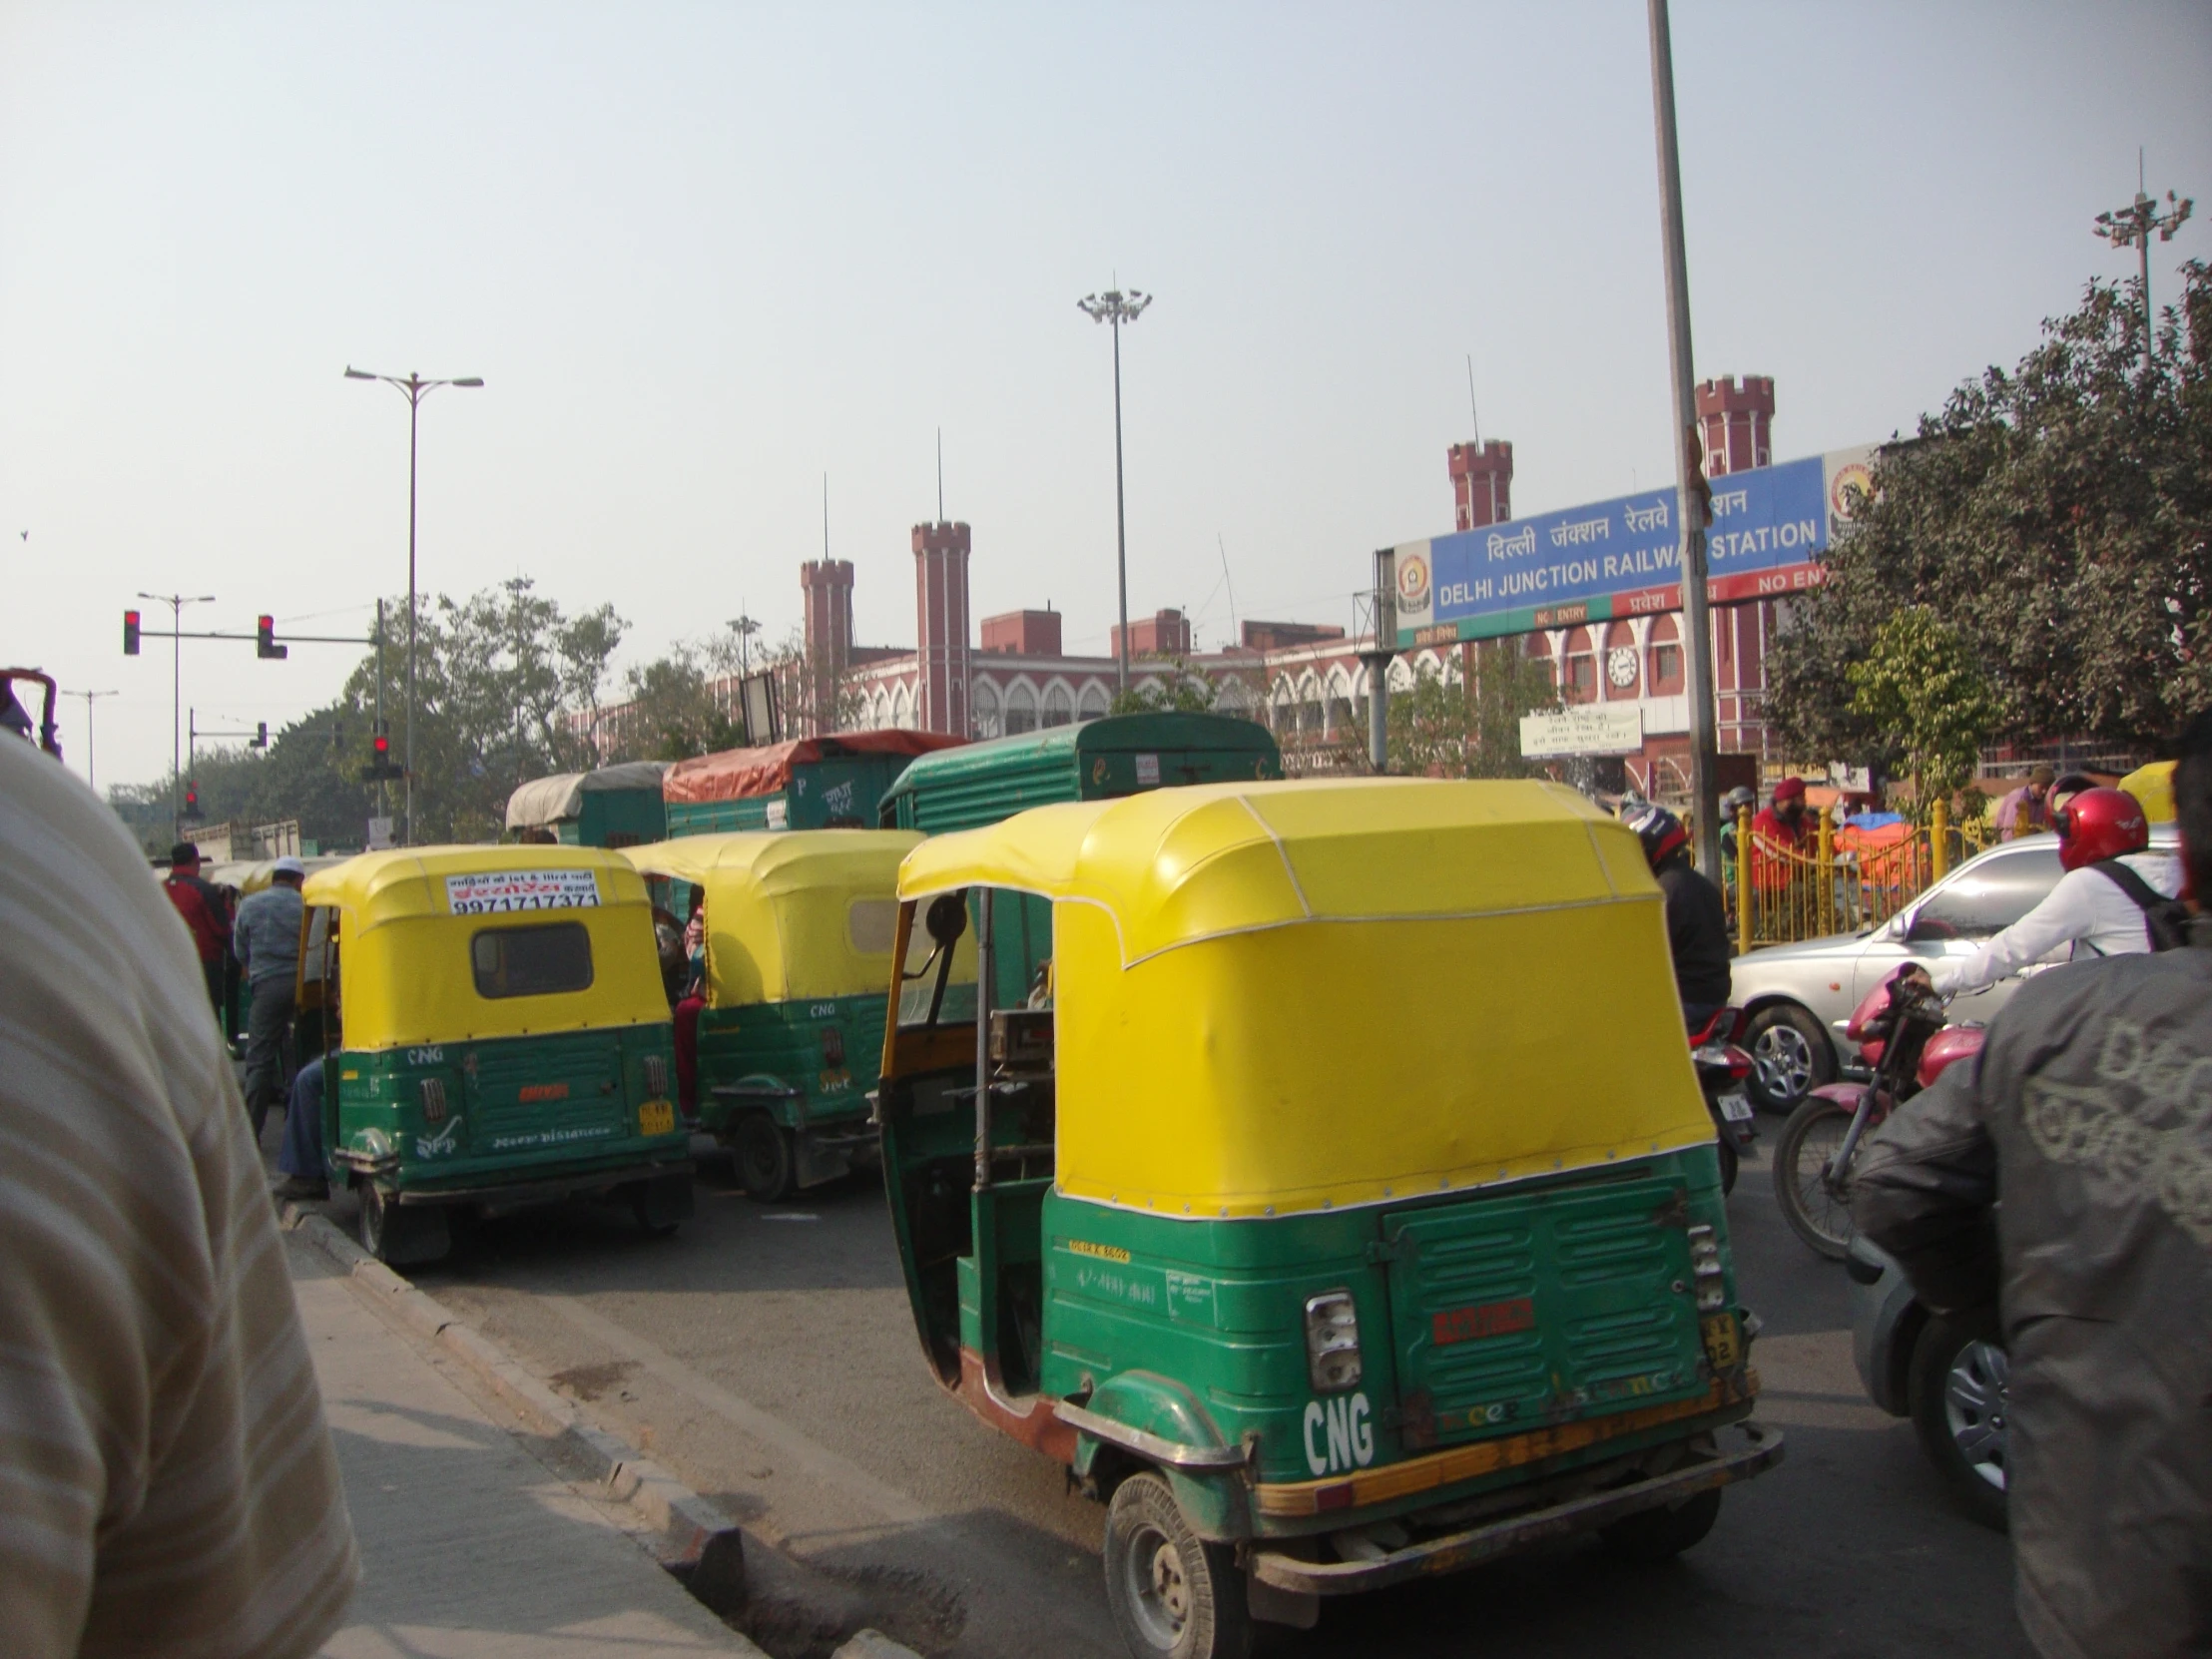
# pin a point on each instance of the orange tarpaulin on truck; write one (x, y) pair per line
(737, 773)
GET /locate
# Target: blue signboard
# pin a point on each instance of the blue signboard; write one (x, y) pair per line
(1623, 556)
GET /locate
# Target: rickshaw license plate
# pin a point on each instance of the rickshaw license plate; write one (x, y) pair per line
(1721, 1345)
(1736, 1108)
(657, 1117)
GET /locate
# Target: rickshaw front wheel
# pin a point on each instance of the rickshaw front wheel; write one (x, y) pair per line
(401, 1235)
(1173, 1595)
(1655, 1535)
(763, 1155)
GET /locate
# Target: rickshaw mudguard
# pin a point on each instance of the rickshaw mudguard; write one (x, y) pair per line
(1161, 1421)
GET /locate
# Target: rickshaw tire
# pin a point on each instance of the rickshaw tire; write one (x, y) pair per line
(400, 1236)
(662, 1205)
(1216, 1623)
(1654, 1536)
(1729, 1164)
(764, 1159)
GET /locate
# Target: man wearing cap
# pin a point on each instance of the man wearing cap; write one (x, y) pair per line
(1779, 828)
(266, 939)
(207, 915)
(2026, 810)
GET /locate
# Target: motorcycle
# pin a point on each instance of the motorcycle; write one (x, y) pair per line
(1904, 1045)
(1722, 1069)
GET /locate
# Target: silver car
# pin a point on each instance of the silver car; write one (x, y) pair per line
(1796, 998)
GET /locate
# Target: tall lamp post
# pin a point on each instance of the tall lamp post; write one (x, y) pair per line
(92, 777)
(1114, 308)
(2131, 225)
(177, 603)
(414, 389)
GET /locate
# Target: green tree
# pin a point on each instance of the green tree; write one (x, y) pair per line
(1921, 688)
(1445, 726)
(1184, 689)
(2059, 519)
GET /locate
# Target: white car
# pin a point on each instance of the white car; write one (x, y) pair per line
(1796, 998)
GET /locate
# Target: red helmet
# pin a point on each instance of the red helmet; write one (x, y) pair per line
(2098, 824)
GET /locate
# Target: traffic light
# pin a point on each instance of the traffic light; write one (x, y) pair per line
(381, 764)
(130, 632)
(260, 736)
(192, 797)
(264, 640)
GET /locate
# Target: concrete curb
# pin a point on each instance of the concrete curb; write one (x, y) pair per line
(694, 1540)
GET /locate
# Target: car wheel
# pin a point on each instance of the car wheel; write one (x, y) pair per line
(1958, 1395)
(1173, 1595)
(1791, 1057)
(1651, 1536)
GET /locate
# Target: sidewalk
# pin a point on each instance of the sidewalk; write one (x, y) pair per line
(470, 1547)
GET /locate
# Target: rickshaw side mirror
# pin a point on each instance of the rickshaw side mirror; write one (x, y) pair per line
(946, 919)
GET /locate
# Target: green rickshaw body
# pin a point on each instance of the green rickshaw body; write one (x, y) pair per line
(1312, 1192)
(617, 805)
(825, 782)
(497, 1036)
(788, 1031)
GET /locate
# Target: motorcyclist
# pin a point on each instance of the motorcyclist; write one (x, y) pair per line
(1733, 806)
(2103, 842)
(1697, 922)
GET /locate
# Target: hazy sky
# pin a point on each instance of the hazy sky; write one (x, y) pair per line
(703, 255)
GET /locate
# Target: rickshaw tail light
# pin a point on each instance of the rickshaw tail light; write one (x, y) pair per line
(433, 1100)
(1333, 1341)
(655, 1074)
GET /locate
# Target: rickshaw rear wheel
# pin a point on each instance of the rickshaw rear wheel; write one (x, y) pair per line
(1172, 1594)
(399, 1234)
(763, 1155)
(1652, 1536)
(1729, 1163)
(661, 1204)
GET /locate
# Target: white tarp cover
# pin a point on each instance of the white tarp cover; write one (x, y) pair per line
(548, 800)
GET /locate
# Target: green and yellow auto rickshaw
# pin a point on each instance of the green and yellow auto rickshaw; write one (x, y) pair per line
(788, 1026)
(1340, 1205)
(493, 1034)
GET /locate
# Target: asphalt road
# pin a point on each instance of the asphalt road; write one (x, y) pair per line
(767, 1355)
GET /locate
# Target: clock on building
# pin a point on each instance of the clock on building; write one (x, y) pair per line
(1620, 666)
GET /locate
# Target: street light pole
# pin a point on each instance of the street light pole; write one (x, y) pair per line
(414, 389)
(177, 603)
(1114, 308)
(2133, 225)
(92, 776)
(1689, 473)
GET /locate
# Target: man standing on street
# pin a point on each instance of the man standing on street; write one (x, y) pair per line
(206, 912)
(2090, 1114)
(268, 945)
(2025, 811)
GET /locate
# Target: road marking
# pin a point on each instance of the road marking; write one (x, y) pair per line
(801, 1454)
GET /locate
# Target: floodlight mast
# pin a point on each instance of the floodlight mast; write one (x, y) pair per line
(1115, 308)
(414, 389)
(2131, 225)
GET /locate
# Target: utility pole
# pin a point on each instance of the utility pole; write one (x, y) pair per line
(1692, 494)
(1114, 308)
(177, 603)
(91, 780)
(414, 389)
(2131, 225)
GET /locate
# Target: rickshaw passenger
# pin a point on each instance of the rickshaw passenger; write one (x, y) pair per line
(690, 1004)
(299, 1159)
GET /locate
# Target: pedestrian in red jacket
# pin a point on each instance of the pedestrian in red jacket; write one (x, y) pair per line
(206, 914)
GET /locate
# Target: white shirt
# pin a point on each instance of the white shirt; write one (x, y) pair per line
(2085, 909)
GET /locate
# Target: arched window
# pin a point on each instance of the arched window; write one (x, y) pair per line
(1336, 711)
(1284, 712)
(1093, 704)
(1021, 707)
(1059, 705)
(1619, 668)
(903, 707)
(1581, 684)
(1663, 658)
(989, 721)
(1309, 707)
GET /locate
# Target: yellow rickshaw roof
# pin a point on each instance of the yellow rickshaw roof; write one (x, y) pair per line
(404, 883)
(2153, 786)
(1175, 866)
(773, 862)
(788, 911)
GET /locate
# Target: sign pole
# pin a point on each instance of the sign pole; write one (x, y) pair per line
(1690, 478)
(1376, 659)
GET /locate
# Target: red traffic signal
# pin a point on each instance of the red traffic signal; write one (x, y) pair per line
(380, 766)
(130, 632)
(265, 638)
(192, 797)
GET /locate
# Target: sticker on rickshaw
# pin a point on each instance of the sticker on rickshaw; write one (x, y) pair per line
(494, 892)
(1488, 1318)
(1105, 1253)
(1345, 1431)
(438, 1145)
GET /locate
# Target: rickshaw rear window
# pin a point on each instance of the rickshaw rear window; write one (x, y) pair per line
(531, 962)
(872, 926)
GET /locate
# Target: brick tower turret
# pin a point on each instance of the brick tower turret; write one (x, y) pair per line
(1738, 422)
(941, 627)
(828, 637)
(1482, 483)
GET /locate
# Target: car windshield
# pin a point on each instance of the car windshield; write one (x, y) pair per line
(1989, 895)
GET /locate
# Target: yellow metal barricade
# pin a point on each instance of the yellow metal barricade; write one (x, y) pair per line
(1841, 880)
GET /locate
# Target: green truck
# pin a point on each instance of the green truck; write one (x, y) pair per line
(823, 783)
(617, 805)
